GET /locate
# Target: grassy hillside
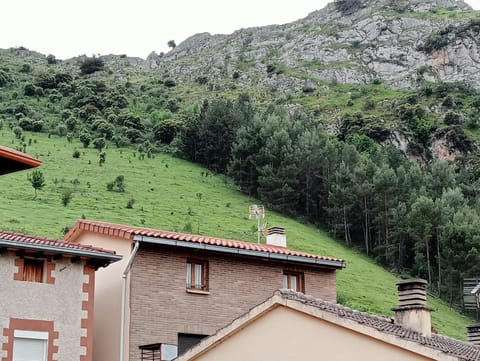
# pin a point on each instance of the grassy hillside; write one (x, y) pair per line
(173, 194)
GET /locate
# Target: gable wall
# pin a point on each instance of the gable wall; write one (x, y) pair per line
(284, 334)
(60, 306)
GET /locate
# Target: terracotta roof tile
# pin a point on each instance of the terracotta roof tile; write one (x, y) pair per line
(463, 350)
(14, 239)
(128, 232)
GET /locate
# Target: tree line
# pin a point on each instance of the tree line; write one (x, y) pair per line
(413, 218)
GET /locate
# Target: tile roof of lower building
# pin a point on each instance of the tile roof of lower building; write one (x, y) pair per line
(460, 349)
(129, 232)
(16, 240)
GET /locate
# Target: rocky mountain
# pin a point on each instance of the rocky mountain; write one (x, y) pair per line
(348, 41)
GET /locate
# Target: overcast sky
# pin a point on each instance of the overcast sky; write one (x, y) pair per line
(67, 28)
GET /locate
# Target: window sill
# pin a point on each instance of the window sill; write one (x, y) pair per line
(197, 292)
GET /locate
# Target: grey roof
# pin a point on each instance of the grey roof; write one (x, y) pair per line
(452, 347)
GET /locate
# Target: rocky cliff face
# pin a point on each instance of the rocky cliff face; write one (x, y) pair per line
(351, 41)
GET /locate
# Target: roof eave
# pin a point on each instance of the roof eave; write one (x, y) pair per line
(241, 252)
(61, 250)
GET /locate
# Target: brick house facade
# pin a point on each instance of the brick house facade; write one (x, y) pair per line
(179, 287)
(47, 298)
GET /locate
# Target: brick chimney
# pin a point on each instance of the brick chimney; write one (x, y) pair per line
(473, 334)
(276, 236)
(412, 311)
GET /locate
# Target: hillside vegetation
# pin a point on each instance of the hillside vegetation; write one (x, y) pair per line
(173, 194)
(361, 119)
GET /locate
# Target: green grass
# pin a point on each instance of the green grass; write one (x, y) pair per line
(165, 190)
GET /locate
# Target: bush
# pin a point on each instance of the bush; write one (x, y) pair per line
(130, 203)
(91, 65)
(61, 129)
(76, 154)
(66, 196)
(99, 143)
(85, 138)
(29, 90)
(169, 83)
(51, 59)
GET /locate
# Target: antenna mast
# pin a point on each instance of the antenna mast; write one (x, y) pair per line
(257, 212)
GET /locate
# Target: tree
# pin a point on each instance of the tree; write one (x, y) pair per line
(91, 65)
(171, 44)
(37, 180)
(66, 196)
(85, 138)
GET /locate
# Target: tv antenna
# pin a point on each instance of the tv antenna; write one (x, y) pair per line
(257, 212)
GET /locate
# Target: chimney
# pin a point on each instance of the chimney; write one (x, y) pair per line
(473, 334)
(276, 237)
(412, 311)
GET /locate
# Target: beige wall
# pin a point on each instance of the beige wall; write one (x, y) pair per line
(284, 335)
(108, 293)
(161, 308)
(60, 302)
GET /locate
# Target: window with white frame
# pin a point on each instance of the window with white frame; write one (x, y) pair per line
(293, 281)
(30, 345)
(197, 275)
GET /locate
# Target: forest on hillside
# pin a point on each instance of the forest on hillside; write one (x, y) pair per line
(414, 214)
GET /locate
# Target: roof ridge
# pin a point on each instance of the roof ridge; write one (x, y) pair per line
(128, 231)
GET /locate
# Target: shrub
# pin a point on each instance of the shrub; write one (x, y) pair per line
(4, 78)
(452, 118)
(61, 129)
(85, 138)
(51, 59)
(169, 83)
(130, 203)
(76, 153)
(66, 196)
(29, 90)
(99, 143)
(91, 65)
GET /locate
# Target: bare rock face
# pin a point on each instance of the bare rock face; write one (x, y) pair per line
(348, 41)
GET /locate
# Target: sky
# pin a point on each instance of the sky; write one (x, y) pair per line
(68, 28)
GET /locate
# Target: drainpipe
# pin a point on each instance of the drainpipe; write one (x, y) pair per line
(124, 296)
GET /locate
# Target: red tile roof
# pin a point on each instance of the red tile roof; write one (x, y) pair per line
(128, 232)
(13, 160)
(452, 347)
(23, 241)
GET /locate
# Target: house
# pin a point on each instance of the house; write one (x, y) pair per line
(12, 160)
(173, 289)
(292, 326)
(47, 298)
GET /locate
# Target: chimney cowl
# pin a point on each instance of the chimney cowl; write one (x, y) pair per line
(473, 334)
(276, 236)
(412, 311)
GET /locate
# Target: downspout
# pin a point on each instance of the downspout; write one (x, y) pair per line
(124, 296)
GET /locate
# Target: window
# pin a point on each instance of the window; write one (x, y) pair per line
(197, 275)
(32, 270)
(293, 281)
(30, 345)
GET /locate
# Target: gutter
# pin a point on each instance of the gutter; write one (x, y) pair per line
(62, 250)
(241, 252)
(124, 296)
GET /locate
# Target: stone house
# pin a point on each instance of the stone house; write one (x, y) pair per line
(173, 289)
(47, 298)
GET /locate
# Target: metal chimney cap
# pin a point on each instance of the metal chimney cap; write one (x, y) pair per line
(276, 230)
(412, 281)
